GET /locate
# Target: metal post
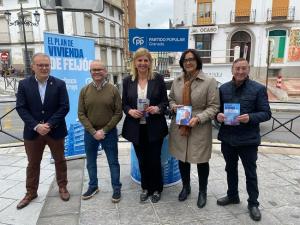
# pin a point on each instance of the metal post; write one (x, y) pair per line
(268, 63)
(60, 20)
(27, 71)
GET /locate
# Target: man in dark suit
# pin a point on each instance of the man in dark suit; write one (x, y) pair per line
(42, 103)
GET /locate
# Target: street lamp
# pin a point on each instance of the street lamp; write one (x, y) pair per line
(21, 21)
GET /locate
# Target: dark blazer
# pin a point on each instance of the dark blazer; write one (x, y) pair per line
(30, 108)
(156, 124)
(253, 99)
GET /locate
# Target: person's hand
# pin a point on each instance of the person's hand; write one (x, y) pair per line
(43, 129)
(175, 107)
(221, 117)
(99, 135)
(152, 110)
(243, 118)
(194, 121)
(135, 113)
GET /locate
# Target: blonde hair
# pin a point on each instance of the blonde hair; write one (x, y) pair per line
(142, 52)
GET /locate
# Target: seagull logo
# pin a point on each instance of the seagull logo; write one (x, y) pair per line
(138, 40)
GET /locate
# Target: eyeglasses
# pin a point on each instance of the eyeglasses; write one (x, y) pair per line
(97, 70)
(189, 60)
(41, 66)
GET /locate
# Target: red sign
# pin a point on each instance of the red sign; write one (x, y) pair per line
(4, 56)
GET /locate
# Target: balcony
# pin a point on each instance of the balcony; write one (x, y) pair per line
(243, 16)
(113, 42)
(205, 19)
(280, 14)
(90, 34)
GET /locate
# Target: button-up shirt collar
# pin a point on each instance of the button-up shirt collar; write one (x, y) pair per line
(42, 88)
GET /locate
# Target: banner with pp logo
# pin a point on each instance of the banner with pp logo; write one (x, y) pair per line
(159, 40)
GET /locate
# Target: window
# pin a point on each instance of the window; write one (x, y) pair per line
(22, 1)
(203, 44)
(51, 22)
(30, 54)
(120, 37)
(122, 61)
(205, 10)
(88, 24)
(242, 8)
(1, 2)
(114, 60)
(113, 33)
(103, 55)
(101, 28)
(111, 11)
(280, 9)
(4, 32)
(28, 30)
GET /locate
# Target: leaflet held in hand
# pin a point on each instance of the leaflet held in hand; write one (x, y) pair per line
(142, 105)
(231, 112)
(183, 115)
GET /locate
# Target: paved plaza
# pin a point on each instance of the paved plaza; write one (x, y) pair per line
(279, 183)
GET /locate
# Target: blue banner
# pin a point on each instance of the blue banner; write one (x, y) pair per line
(70, 61)
(159, 40)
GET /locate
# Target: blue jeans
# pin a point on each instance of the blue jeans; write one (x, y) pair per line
(110, 146)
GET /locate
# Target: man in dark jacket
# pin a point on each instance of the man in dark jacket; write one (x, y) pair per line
(242, 138)
(43, 103)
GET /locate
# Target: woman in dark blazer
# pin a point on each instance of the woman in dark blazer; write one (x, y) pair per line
(145, 125)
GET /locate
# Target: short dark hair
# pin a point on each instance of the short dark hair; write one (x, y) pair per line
(196, 56)
(239, 60)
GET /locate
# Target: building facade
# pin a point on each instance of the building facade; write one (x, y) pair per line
(106, 28)
(225, 30)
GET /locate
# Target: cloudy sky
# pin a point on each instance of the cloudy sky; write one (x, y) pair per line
(155, 12)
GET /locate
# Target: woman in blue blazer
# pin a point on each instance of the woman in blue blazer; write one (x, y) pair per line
(145, 124)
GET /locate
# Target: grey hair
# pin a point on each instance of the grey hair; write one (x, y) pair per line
(39, 54)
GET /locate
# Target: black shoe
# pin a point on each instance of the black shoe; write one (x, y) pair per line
(186, 190)
(116, 197)
(227, 201)
(155, 197)
(90, 193)
(201, 199)
(254, 213)
(144, 195)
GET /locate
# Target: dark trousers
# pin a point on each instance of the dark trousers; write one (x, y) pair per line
(203, 172)
(248, 156)
(34, 150)
(148, 154)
